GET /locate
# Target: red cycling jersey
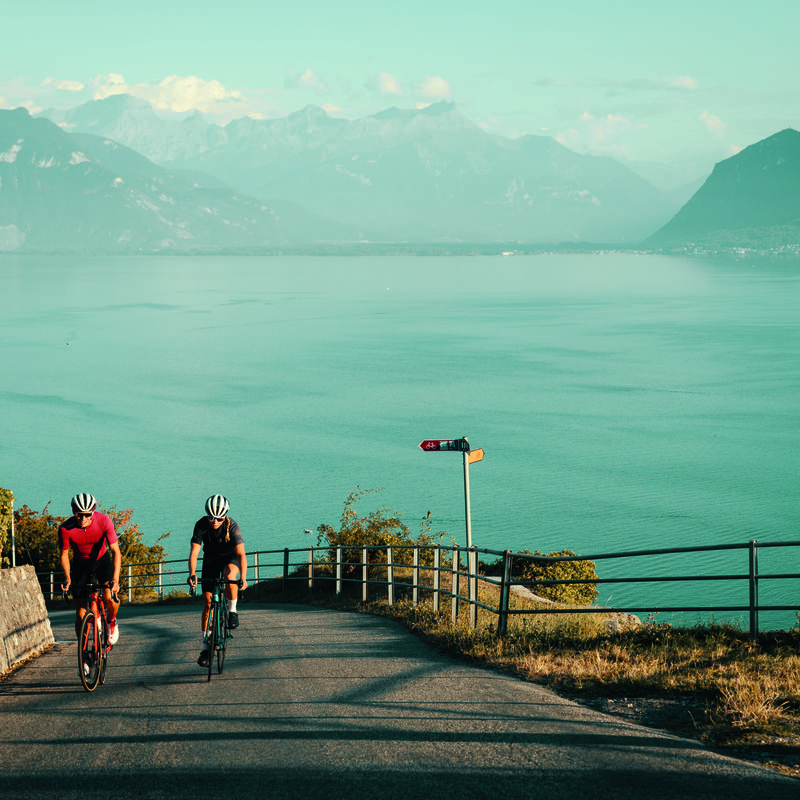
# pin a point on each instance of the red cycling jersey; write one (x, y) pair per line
(83, 540)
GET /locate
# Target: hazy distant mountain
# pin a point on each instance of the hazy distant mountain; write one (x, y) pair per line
(135, 124)
(420, 175)
(61, 191)
(750, 200)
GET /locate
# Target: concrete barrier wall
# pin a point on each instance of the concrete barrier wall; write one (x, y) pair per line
(24, 624)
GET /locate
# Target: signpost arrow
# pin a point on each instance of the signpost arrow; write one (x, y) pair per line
(475, 455)
(459, 445)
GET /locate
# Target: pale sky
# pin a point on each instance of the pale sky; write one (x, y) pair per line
(684, 82)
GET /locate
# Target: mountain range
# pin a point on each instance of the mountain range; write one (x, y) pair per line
(113, 176)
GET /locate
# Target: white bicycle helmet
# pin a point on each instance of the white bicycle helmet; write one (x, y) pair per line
(217, 506)
(83, 503)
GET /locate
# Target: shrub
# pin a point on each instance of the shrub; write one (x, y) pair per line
(36, 535)
(542, 569)
(375, 530)
(6, 504)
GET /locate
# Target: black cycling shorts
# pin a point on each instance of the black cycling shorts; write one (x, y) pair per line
(102, 570)
(212, 568)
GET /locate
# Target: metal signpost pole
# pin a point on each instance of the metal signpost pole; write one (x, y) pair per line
(465, 454)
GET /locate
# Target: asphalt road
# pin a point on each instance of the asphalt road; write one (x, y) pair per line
(316, 703)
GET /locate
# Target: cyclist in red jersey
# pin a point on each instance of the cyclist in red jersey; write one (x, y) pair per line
(95, 550)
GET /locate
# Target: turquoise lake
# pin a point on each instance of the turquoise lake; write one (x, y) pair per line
(623, 401)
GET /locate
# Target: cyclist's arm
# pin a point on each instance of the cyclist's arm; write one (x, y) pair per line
(116, 554)
(65, 569)
(242, 564)
(195, 551)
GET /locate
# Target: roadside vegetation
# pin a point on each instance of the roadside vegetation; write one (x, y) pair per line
(36, 542)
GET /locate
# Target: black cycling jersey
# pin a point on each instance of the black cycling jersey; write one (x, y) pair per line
(220, 542)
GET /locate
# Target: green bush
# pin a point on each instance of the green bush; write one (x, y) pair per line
(377, 529)
(36, 535)
(6, 503)
(541, 569)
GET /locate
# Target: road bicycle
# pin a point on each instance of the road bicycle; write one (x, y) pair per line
(93, 639)
(217, 631)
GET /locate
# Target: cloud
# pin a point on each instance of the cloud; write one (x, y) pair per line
(107, 85)
(307, 79)
(683, 82)
(330, 108)
(435, 87)
(174, 93)
(600, 129)
(190, 93)
(388, 84)
(311, 81)
(64, 86)
(597, 134)
(713, 123)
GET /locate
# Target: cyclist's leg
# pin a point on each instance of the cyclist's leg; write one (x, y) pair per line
(79, 576)
(206, 620)
(104, 571)
(231, 573)
(206, 609)
(211, 570)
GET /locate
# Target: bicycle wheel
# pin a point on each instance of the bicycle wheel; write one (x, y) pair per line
(223, 638)
(104, 652)
(211, 635)
(90, 655)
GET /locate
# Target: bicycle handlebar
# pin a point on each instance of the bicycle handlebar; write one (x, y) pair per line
(223, 581)
(90, 587)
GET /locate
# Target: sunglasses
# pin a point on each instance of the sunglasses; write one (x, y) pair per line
(215, 519)
(85, 516)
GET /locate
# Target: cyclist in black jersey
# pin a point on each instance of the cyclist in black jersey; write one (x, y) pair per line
(224, 555)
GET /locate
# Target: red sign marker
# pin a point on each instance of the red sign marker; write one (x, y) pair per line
(460, 445)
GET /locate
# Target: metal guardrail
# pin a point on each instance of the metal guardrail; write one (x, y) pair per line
(342, 565)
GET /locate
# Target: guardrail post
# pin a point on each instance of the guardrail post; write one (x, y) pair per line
(415, 580)
(160, 583)
(505, 587)
(130, 583)
(753, 589)
(52, 586)
(390, 574)
(256, 573)
(472, 571)
(310, 570)
(455, 584)
(364, 574)
(338, 571)
(437, 564)
(285, 573)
